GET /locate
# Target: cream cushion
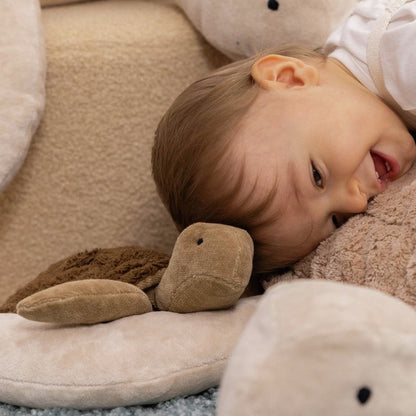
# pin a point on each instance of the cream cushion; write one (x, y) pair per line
(136, 360)
(318, 348)
(22, 82)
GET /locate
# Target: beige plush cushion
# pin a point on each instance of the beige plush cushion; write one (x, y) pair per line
(312, 345)
(135, 360)
(22, 82)
(113, 69)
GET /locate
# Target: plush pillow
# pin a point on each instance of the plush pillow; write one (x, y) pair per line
(22, 79)
(318, 348)
(135, 360)
(242, 28)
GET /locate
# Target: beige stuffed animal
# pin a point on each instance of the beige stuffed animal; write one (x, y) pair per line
(210, 268)
(242, 28)
(318, 348)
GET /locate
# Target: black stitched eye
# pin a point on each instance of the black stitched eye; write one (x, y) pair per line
(273, 5)
(363, 395)
(200, 241)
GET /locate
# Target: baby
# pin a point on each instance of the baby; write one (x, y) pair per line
(290, 143)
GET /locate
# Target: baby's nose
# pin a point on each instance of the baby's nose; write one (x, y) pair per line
(353, 200)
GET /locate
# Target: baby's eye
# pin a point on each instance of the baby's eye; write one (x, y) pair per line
(317, 177)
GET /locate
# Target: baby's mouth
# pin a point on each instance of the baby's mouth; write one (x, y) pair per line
(386, 168)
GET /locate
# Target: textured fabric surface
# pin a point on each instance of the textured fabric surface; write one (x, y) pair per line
(210, 268)
(133, 265)
(113, 69)
(203, 404)
(135, 360)
(22, 82)
(85, 302)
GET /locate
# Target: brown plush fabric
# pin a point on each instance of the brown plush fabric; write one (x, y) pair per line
(375, 249)
(85, 302)
(134, 265)
(210, 268)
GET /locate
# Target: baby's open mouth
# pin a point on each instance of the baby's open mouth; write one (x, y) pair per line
(386, 168)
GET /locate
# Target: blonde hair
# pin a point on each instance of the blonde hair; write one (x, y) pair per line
(190, 149)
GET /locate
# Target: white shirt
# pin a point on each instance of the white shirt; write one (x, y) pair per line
(396, 52)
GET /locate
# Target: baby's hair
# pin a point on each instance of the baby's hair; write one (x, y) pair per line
(189, 158)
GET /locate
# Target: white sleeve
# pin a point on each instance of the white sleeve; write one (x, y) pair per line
(398, 57)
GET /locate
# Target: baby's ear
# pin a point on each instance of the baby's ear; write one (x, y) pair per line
(274, 72)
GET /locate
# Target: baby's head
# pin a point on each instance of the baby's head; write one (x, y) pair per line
(286, 145)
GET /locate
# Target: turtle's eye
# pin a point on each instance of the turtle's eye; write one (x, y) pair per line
(363, 395)
(273, 5)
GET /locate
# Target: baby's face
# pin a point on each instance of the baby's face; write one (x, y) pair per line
(328, 151)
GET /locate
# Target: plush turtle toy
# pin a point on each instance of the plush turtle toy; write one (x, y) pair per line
(209, 269)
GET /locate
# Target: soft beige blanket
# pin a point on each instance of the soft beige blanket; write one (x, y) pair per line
(374, 249)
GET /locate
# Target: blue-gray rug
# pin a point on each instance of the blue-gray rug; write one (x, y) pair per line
(198, 405)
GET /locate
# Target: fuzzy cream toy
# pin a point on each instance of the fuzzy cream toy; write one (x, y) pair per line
(209, 269)
(318, 347)
(243, 28)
